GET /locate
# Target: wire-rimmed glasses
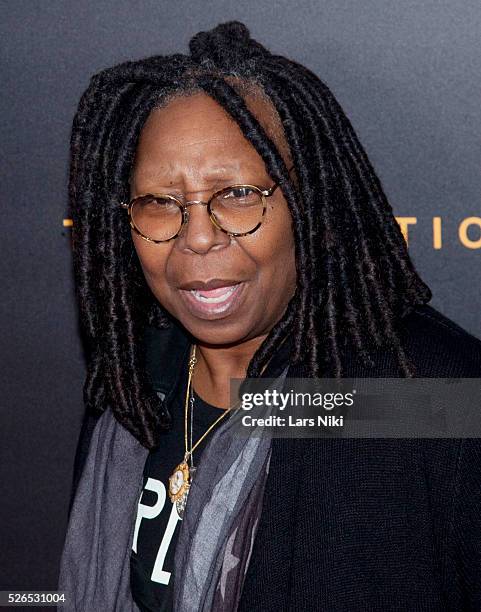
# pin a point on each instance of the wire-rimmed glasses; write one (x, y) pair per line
(237, 210)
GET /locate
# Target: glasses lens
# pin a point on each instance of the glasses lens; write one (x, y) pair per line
(238, 209)
(156, 218)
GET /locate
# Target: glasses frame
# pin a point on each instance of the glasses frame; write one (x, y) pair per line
(264, 193)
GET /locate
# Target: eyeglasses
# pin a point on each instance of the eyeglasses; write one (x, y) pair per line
(237, 210)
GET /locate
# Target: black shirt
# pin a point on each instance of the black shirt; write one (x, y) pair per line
(157, 523)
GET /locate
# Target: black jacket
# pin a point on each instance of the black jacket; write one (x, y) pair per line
(365, 524)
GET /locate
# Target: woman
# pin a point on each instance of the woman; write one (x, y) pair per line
(228, 224)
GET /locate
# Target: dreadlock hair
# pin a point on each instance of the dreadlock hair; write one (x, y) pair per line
(355, 278)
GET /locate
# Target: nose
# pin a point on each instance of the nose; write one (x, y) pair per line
(199, 234)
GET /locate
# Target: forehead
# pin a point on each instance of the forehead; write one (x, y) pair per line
(195, 130)
(190, 122)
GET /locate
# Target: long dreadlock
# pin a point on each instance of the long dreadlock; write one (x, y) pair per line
(354, 275)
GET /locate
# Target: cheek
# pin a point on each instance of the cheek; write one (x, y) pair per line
(277, 239)
(154, 261)
(273, 250)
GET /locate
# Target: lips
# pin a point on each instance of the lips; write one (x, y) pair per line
(213, 296)
(213, 283)
(212, 299)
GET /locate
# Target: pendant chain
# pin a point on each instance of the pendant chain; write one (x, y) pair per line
(192, 402)
(192, 362)
(180, 481)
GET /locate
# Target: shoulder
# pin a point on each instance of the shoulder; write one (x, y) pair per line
(438, 346)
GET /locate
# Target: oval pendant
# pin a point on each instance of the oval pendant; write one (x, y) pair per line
(179, 483)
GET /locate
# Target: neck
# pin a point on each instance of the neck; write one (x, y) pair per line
(216, 365)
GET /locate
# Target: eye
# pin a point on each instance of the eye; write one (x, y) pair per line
(239, 193)
(154, 204)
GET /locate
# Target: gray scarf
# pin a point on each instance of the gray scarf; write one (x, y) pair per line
(216, 534)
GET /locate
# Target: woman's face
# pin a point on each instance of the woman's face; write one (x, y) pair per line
(193, 147)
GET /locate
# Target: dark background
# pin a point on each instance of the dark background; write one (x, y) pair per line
(408, 75)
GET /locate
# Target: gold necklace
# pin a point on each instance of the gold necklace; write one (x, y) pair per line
(180, 481)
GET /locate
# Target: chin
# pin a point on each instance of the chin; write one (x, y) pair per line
(219, 331)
